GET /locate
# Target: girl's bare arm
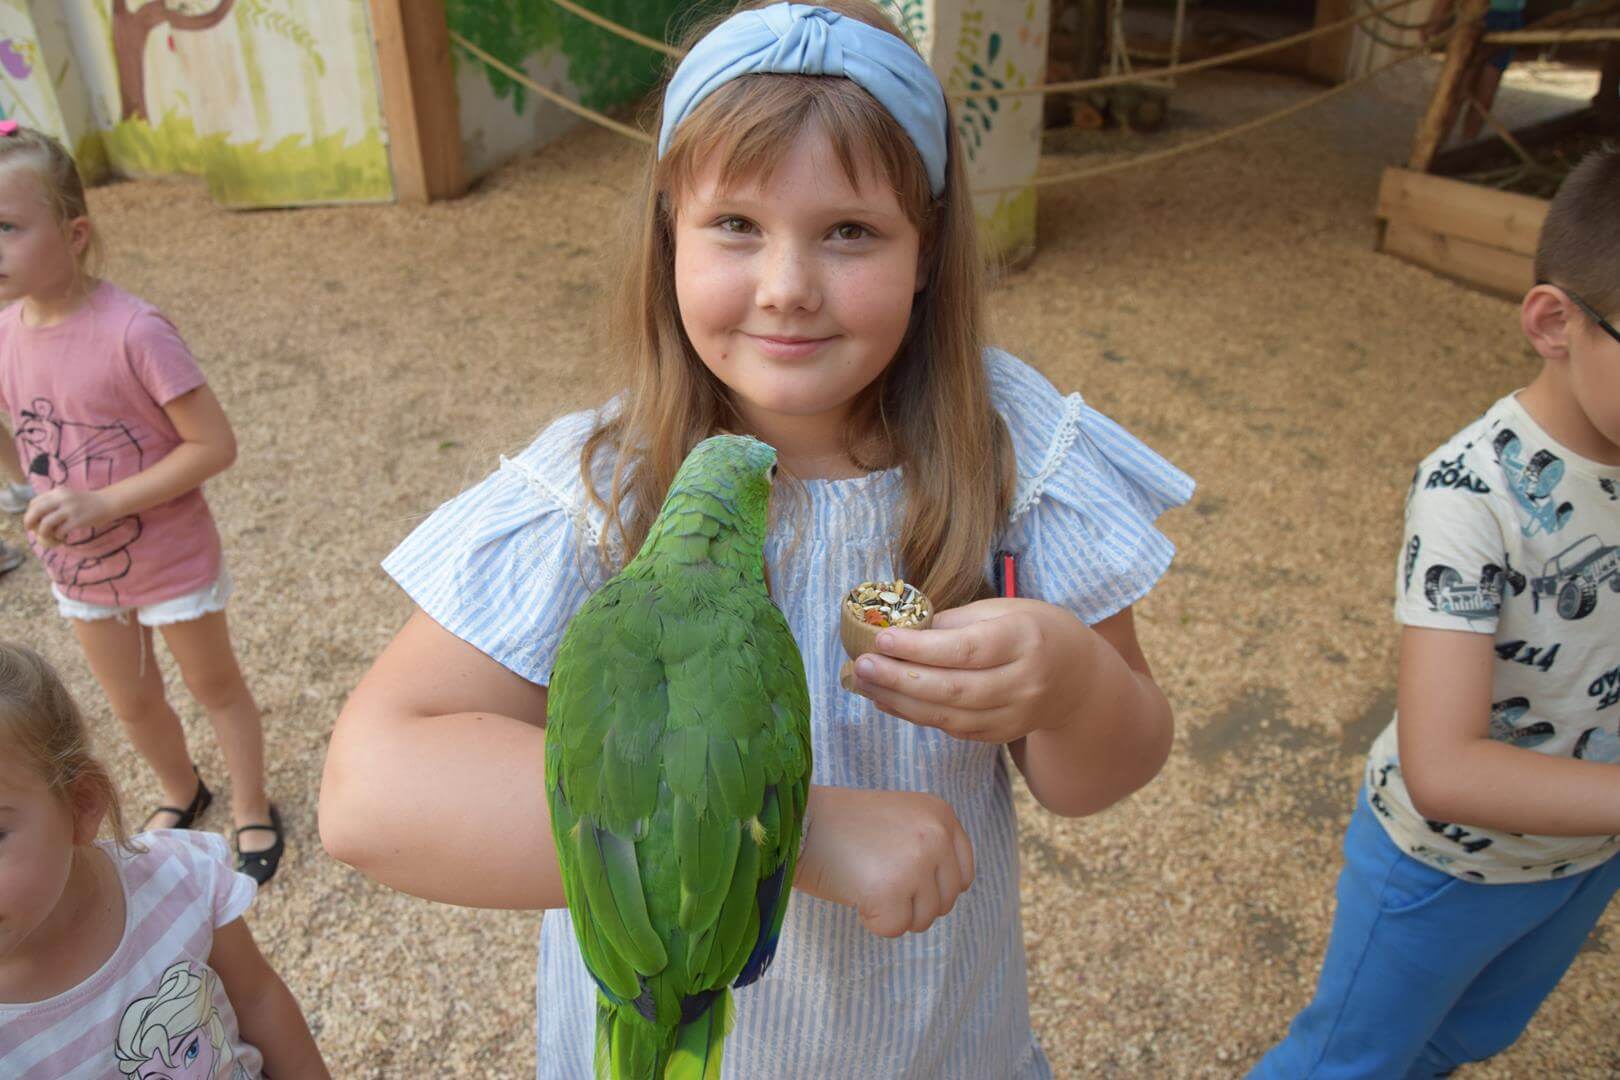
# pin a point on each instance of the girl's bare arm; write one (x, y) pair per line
(266, 1012)
(207, 447)
(435, 777)
(11, 470)
(1117, 731)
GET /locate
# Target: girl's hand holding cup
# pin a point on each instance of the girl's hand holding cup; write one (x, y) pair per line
(991, 671)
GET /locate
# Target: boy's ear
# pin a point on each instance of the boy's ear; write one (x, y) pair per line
(1544, 316)
(89, 807)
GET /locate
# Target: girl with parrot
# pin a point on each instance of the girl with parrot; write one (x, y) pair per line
(803, 272)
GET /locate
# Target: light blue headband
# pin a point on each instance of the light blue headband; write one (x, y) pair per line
(797, 39)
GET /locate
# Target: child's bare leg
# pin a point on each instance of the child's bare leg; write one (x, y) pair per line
(120, 656)
(202, 648)
(10, 463)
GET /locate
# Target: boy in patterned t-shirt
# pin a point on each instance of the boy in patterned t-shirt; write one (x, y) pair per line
(1480, 854)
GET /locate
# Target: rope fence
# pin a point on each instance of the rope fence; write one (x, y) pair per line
(1153, 75)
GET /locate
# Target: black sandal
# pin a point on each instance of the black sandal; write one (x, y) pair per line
(187, 816)
(261, 865)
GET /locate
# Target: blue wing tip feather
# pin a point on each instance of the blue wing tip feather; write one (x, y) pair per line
(767, 897)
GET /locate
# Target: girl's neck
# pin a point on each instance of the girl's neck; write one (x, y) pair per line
(808, 447)
(76, 939)
(49, 309)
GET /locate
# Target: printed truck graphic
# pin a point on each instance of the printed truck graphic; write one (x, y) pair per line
(1505, 717)
(1449, 594)
(1574, 575)
(1532, 483)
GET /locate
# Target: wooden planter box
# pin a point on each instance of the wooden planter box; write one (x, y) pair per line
(1476, 235)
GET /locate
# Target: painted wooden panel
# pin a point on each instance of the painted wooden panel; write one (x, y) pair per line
(274, 102)
(990, 45)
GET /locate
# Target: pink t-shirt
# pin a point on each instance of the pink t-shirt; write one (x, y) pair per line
(155, 1002)
(85, 399)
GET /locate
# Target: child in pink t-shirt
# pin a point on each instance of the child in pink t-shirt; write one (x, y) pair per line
(124, 957)
(116, 430)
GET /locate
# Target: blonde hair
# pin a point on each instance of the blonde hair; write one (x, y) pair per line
(40, 719)
(929, 413)
(63, 186)
(184, 1003)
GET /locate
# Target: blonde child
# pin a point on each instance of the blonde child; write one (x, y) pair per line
(116, 430)
(805, 272)
(1482, 848)
(121, 957)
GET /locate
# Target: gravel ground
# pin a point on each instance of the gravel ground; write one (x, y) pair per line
(1227, 306)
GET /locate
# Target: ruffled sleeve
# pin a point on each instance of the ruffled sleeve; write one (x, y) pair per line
(504, 565)
(1088, 494)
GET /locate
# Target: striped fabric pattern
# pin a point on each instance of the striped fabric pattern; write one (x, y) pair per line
(504, 566)
(176, 893)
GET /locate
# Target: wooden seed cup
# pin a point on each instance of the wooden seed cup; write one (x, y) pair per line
(861, 637)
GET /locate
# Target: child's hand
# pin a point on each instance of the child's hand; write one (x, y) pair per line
(992, 671)
(899, 858)
(51, 517)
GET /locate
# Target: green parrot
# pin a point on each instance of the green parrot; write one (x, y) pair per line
(677, 767)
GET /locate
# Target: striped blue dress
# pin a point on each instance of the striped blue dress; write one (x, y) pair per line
(504, 565)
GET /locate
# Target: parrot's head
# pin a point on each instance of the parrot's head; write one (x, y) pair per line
(718, 506)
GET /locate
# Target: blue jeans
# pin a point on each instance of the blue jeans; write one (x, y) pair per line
(1424, 971)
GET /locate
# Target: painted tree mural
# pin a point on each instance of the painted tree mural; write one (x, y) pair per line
(132, 26)
(607, 70)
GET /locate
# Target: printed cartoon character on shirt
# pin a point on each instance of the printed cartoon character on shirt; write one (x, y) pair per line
(53, 449)
(176, 1034)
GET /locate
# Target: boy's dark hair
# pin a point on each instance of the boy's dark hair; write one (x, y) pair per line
(1579, 248)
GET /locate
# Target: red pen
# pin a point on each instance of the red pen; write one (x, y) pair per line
(1006, 572)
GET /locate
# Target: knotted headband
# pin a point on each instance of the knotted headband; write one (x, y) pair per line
(797, 39)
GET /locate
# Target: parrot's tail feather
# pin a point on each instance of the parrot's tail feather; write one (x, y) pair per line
(627, 1046)
(698, 1044)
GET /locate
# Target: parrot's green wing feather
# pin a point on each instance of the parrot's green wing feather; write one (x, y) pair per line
(605, 709)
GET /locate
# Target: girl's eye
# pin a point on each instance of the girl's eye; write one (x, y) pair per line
(740, 226)
(6, 226)
(193, 1048)
(851, 231)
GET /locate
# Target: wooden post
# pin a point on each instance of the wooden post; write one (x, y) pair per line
(1328, 57)
(419, 99)
(1452, 86)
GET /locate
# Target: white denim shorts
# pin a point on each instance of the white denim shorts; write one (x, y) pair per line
(193, 605)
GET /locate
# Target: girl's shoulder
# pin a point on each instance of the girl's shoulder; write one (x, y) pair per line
(547, 471)
(1069, 452)
(192, 873)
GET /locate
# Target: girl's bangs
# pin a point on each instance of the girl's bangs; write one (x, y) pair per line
(750, 126)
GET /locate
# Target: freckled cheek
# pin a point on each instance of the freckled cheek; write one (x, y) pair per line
(713, 297)
(877, 304)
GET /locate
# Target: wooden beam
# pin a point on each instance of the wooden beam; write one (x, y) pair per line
(1451, 86)
(1496, 270)
(1497, 219)
(1552, 37)
(419, 99)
